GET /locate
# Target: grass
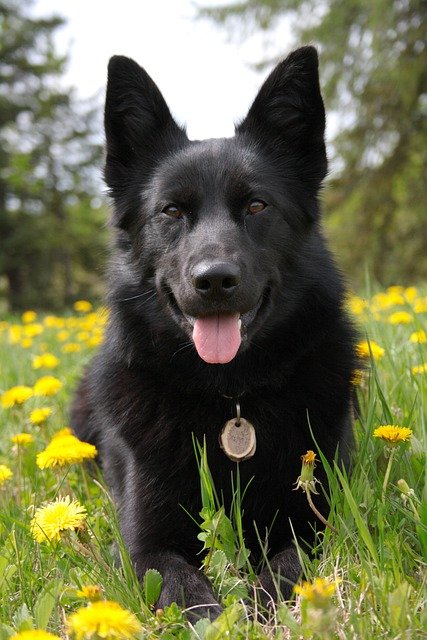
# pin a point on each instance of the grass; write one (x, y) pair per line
(366, 579)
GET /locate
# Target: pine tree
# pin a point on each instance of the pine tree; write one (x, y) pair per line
(47, 156)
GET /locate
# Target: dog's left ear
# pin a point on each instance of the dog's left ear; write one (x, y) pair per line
(288, 111)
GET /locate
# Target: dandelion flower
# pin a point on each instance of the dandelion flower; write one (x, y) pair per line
(29, 317)
(22, 439)
(357, 305)
(64, 449)
(418, 337)
(45, 361)
(56, 517)
(16, 395)
(95, 341)
(318, 592)
(26, 343)
(33, 330)
(82, 305)
(392, 434)
(34, 634)
(47, 386)
(38, 416)
(306, 481)
(66, 431)
(71, 347)
(103, 619)
(365, 348)
(418, 369)
(5, 474)
(420, 305)
(63, 335)
(400, 317)
(92, 592)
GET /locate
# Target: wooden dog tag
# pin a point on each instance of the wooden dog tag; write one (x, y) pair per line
(238, 439)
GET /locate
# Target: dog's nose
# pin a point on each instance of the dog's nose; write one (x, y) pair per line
(216, 279)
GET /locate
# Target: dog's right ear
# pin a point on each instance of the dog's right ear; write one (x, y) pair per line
(137, 120)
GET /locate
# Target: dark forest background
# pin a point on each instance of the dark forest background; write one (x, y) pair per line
(53, 232)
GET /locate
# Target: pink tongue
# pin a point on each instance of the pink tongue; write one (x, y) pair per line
(217, 338)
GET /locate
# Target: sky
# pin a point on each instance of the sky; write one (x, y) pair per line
(203, 72)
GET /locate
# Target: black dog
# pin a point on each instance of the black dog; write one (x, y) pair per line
(222, 294)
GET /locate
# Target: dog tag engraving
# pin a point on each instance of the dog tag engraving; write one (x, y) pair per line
(238, 439)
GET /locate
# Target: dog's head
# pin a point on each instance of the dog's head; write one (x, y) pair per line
(211, 232)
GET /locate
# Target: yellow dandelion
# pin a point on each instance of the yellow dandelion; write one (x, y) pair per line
(22, 439)
(16, 395)
(82, 305)
(392, 298)
(392, 434)
(418, 337)
(366, 347)
(66, 431)
(71, 347)
(53, 322)
(419, 369)
(45, 361)
(318, 592)
(28, 317)
(356, 305)
(34, 634)
(309, 457)
(103, 619)
(95, 340)
(26, 343)
(15, 333)
(400, 317)
(410, 293)
(65, 449)
(38, 416)
(306, 481)
(47, 386)
(420, 305)
(5, 474)
(63, 335)
(92, 592)
(63, 514)
(33, 330)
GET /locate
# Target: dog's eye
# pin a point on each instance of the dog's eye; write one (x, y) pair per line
(256, 206)
(172, 210)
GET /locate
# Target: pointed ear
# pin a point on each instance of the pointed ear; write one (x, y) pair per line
(288, 111)
(137, 118)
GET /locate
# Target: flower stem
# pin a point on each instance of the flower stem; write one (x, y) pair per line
(387, 474)
(318, 514)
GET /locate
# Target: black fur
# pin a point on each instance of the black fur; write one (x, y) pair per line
(148, 391)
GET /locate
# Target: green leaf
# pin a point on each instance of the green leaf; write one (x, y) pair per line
(422, 530)
(5, 631)
(222, 627)
(360, 523)
(397, 605)
(6, 572)
(152, 586)
(46, 602)
(22, 619)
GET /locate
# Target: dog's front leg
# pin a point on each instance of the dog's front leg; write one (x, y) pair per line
(183, 583)
(278, 579)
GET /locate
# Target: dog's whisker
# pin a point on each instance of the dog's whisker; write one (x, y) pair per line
(139, 295)
(185, 346)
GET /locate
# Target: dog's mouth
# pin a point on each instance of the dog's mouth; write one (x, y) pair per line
(219, 336)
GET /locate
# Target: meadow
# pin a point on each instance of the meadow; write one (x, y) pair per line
(64, 571)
